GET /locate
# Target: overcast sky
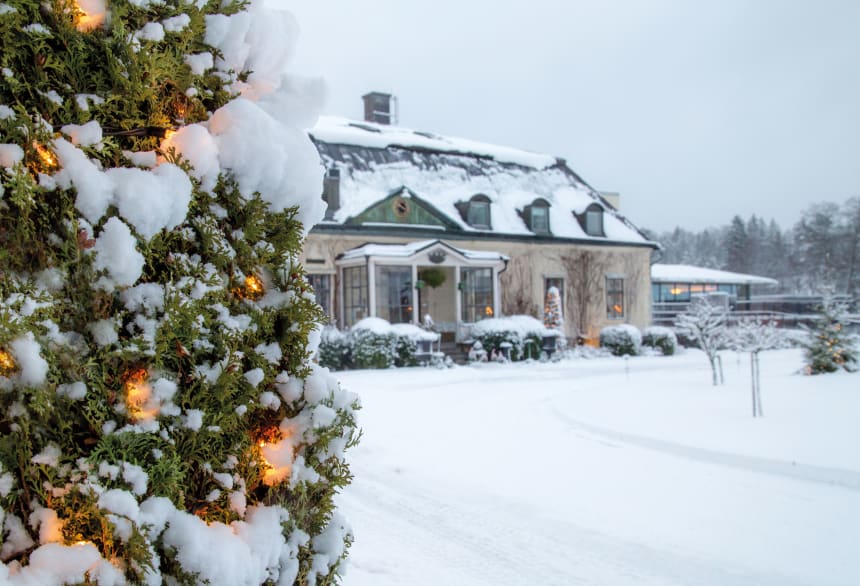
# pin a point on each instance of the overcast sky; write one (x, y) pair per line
(694, 111)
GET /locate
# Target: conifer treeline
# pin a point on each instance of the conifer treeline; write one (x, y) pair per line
(821, 250)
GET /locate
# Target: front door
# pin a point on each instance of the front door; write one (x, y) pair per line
(437, 297)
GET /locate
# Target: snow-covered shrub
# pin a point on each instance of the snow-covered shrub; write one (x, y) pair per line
(621, 340)
(524, 333)
(334, 349)
(660, 338)
(406, 346)
(372, 344)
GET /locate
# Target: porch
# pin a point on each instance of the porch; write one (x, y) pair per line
(454, 287)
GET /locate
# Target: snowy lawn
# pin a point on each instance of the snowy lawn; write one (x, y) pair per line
(606, 471)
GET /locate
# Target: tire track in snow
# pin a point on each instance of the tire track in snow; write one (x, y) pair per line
(490, 543)
(849, 479)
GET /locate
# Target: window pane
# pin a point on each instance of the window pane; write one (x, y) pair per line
(477, 294)
(540, 220)
(614, 298)
(479, 214)
(394, 294)
(354, 294)
(321, 284)
(594, 222)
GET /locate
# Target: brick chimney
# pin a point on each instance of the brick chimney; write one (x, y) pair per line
(380, 108)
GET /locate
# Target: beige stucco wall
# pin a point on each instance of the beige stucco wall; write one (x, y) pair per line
(522, 284)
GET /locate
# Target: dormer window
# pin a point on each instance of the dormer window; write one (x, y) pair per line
(537, 216)
(594, 220)
(478, 212)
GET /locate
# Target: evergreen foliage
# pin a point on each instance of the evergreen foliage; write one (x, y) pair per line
(621, 340)
(829, 346)
(661, 338)
(185, 389)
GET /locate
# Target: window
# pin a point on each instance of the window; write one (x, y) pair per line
(477, 288)
(540, 219)
(354, 294)
(594, 220)
(394, 293)
(321, 284)
(478, 212)
(614, 298)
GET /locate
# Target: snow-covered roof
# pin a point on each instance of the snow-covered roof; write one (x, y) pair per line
(377, 160)
(413, 248)
(661, 273)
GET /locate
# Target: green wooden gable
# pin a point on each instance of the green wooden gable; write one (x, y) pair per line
(403, 207)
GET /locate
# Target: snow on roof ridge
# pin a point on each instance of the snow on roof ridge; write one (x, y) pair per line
(338, 130)
(680, 273)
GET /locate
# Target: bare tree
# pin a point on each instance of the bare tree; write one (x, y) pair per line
(585, 271)
(753, 336)
(704, 323)
(518, 288)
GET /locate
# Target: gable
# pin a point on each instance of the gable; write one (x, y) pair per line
(403, 207)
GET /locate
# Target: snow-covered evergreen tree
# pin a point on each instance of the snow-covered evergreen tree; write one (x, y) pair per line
(829, 346)
(704, 324)
(552, 313)
(161, 420)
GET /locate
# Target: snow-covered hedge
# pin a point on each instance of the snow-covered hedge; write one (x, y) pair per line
(621, 340)
(524, 333)
(372, 343)
(661, 338)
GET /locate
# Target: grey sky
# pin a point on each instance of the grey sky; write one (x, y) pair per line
(693, 110)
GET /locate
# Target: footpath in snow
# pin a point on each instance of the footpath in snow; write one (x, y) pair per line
(605, 471)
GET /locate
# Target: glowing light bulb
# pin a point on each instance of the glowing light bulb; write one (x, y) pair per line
(7, 363)
(49, 159)
(90, 14)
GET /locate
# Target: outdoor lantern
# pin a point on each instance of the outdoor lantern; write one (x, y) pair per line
(419, 284)
(461, 285)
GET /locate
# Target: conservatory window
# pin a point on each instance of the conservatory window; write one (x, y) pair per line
(354, 294)
(614, 298)
(321, 284)
(477, 286)
(394, 293)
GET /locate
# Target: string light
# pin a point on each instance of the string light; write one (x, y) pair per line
(252, 289)
(49, 159)
(7, 363)
(90, 14)
(138, 394)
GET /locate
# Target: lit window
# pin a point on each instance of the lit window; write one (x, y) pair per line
(614, 298)
(477, 294)
(594, 220)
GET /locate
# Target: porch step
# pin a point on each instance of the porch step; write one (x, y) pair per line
(454, 351)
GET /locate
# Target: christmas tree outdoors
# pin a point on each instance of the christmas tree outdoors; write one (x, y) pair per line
(160, 419)
(552, 317)
(829, 347)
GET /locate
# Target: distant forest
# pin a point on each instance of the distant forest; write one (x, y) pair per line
(821, 251)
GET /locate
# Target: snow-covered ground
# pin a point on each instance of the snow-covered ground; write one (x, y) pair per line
(605, 471)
